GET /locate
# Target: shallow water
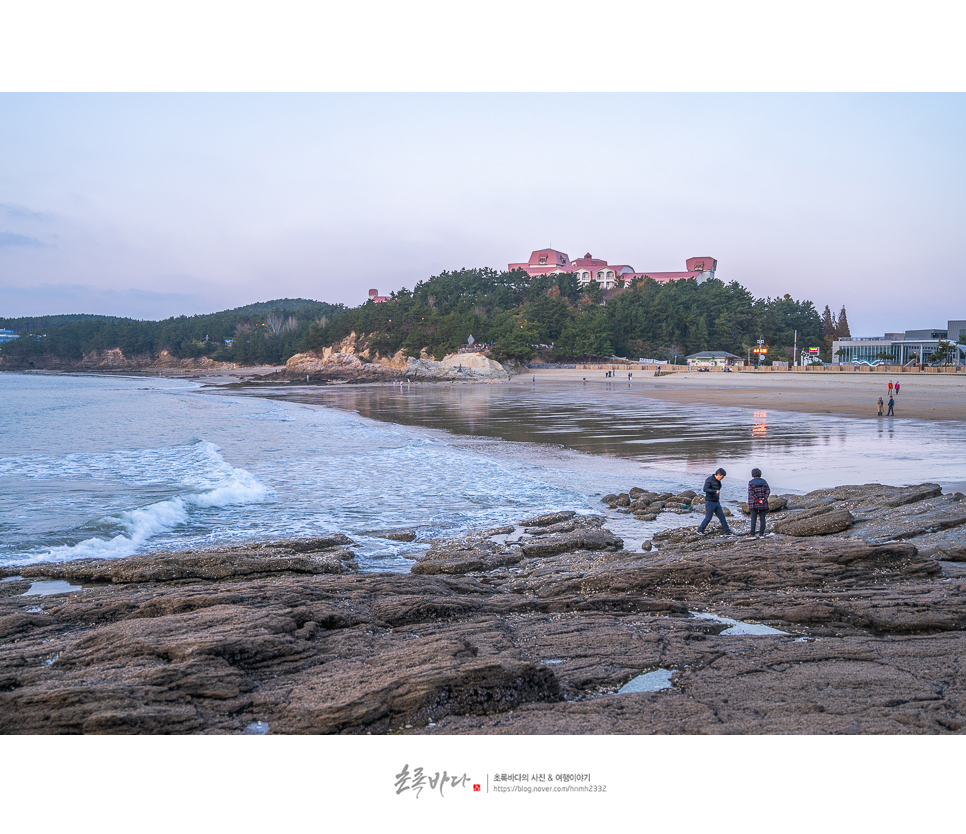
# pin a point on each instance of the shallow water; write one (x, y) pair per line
(105, 467)
(49, 588)
(738, 627)
(649, 682)
(796, 452)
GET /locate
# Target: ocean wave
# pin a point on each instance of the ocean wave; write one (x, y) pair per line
(144, 523)
(197, 464)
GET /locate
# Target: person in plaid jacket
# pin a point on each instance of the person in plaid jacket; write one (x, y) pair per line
(758, 492)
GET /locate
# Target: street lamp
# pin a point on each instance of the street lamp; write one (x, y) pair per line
(759, 352)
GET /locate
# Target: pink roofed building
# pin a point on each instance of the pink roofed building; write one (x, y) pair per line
(375, 298)
(589, 268)
(544, 261)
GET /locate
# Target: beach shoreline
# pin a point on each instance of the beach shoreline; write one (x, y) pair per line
(922, 396)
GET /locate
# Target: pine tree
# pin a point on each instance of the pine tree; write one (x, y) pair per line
(828, 323)
(842, 326)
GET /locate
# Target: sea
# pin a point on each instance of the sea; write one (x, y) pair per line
(95, 466)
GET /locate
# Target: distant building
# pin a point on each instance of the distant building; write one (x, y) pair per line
(7, 336)
(588, 268)
(375, 298)
(713, 359)
(900, 348)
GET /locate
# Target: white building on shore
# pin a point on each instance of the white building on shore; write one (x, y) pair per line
(901, 348)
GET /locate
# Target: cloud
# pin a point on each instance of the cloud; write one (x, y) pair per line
(23, 213)
(12, 239)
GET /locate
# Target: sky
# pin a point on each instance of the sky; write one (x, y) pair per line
(149, 204)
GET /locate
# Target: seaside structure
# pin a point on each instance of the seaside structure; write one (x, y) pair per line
(714, 359)
(588, 268)
(375, 298)
(8, 336)
(901, 348)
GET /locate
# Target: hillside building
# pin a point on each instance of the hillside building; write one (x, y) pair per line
(588, 268)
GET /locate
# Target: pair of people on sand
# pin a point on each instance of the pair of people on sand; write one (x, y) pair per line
(758, 492)
(892, 405)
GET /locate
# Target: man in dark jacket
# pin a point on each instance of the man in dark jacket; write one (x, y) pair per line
(712, 502)
(758, 492)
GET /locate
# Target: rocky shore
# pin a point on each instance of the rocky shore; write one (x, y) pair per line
(354, 360)
(544, 626)
(113, 360)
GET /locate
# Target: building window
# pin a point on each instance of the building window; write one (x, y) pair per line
(543, 260)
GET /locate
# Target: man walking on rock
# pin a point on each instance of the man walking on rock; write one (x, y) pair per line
(712, 502)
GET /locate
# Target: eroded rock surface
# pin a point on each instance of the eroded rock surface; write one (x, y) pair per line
(532, 627)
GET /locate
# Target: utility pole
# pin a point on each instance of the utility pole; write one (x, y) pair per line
(795, 350)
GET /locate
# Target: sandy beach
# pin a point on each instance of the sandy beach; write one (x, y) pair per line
(923, 396)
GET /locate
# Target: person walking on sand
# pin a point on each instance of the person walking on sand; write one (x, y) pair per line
(892, 403)
(890, 387)
(712, 502)
(897, 389)
(880, 406)
(758, 492)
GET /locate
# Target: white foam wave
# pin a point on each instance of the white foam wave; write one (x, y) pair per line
(194, 464)
(144, 523)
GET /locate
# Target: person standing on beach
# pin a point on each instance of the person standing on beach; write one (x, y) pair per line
(880, 406)
(897, 389)
(712, 502)
(892, 402)
(758, 492)
(890, 387)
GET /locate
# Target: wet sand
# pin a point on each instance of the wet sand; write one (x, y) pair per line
(923, 396)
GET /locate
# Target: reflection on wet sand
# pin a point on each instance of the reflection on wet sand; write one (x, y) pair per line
(798, 451)
(759, 428)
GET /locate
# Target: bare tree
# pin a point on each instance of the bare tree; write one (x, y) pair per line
(277, 325)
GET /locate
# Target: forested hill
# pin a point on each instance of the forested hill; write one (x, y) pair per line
(518, 314)
(515, 314)
(267, 332)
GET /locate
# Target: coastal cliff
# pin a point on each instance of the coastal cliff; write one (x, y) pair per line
(547, 625)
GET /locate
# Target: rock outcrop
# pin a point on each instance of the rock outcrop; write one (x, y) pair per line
(533, 627)
(112, 359)
(354, 360)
